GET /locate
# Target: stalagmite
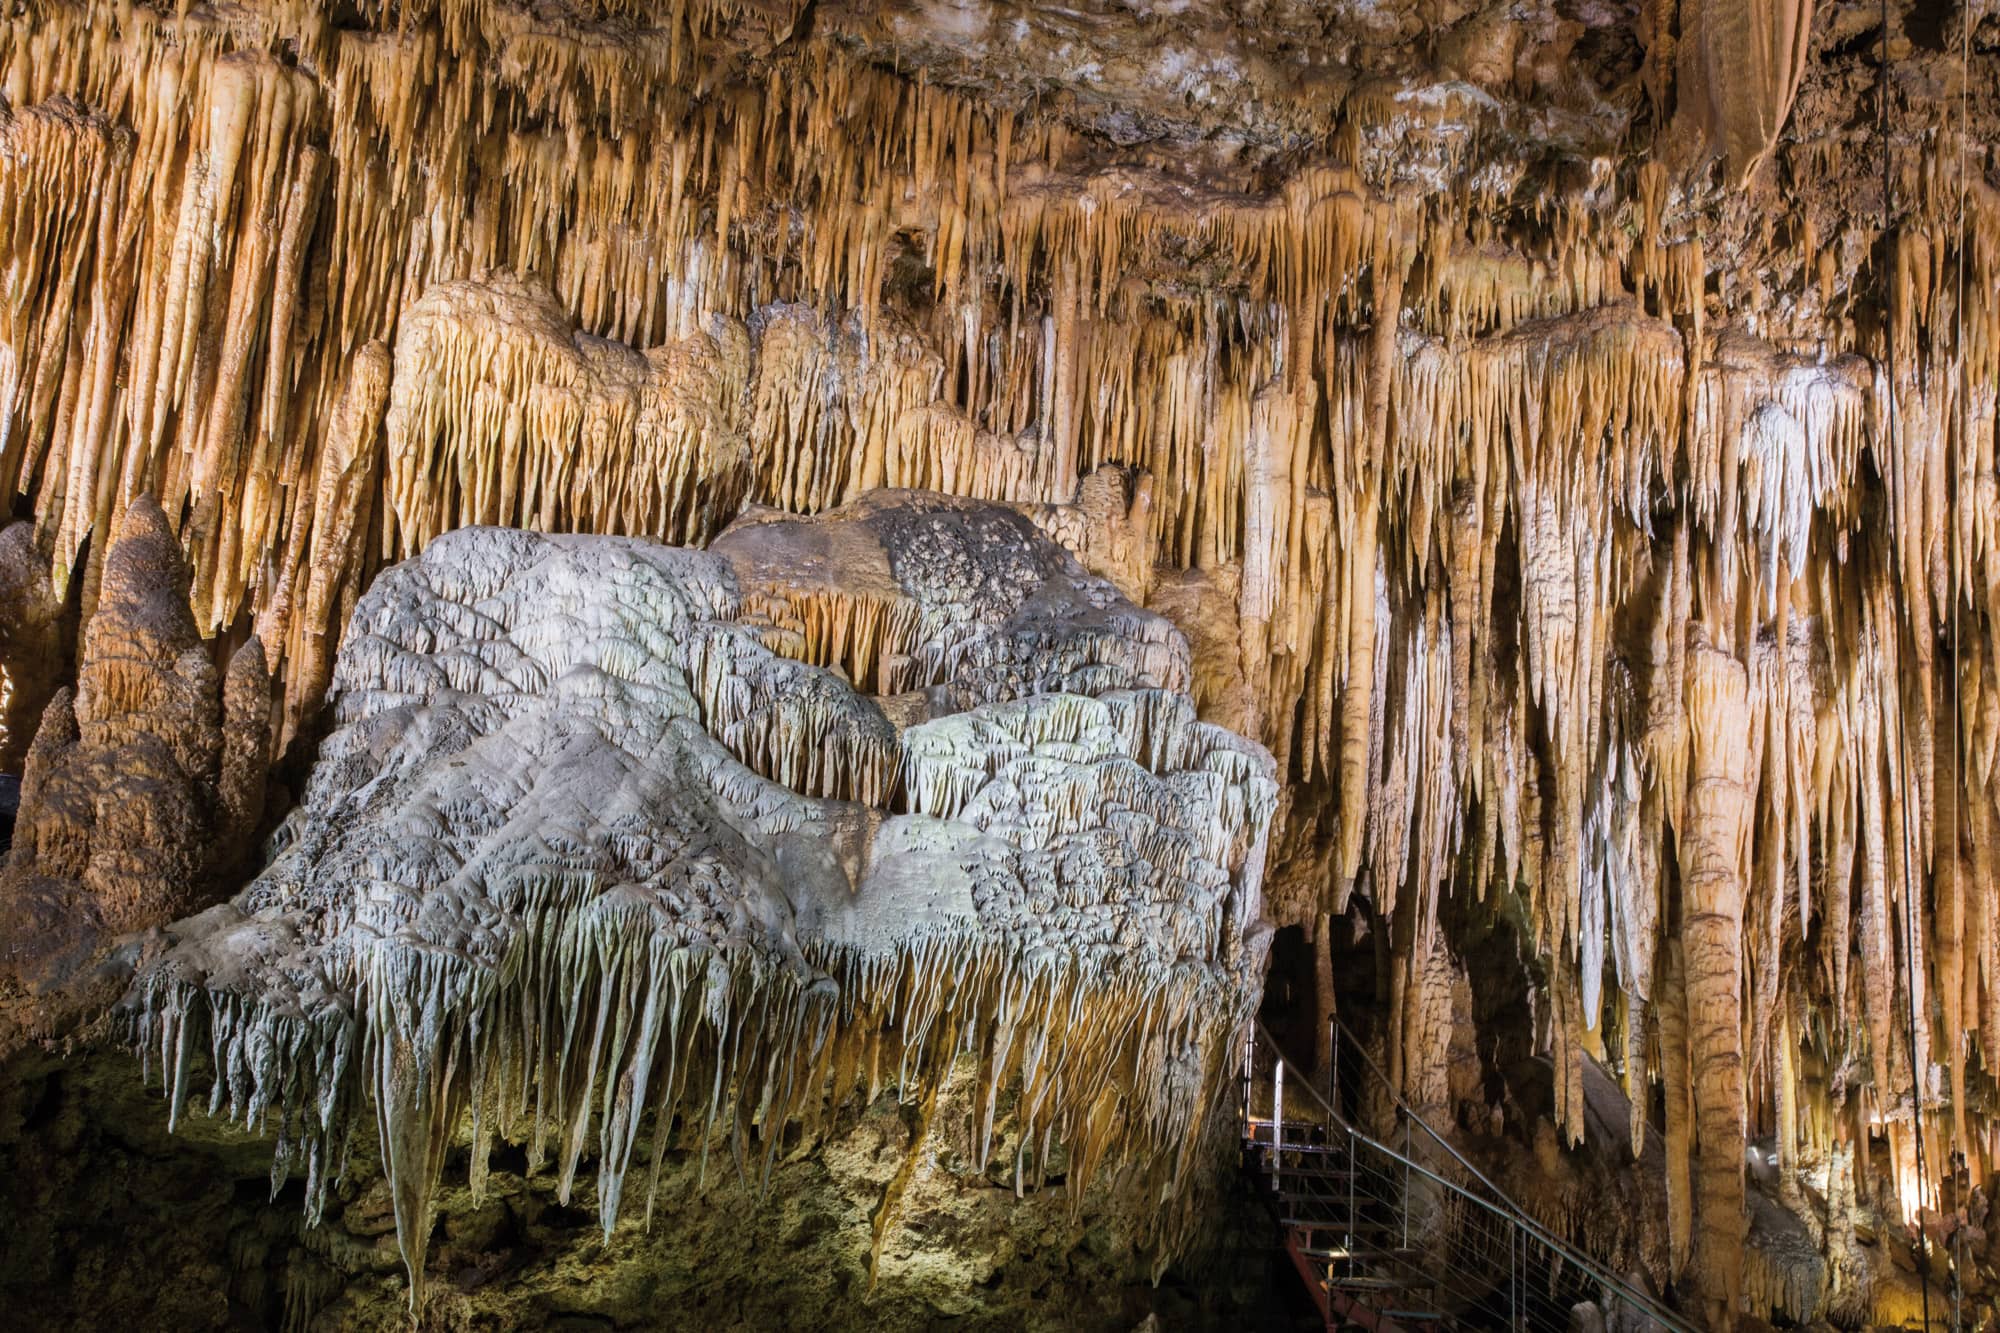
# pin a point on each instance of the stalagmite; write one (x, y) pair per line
(1714, 868)
(143, 786)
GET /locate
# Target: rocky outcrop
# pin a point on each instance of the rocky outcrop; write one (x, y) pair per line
(143, 785)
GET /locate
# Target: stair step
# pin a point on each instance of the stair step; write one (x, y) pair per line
(1307, 1222)
(1337, 1203)
(1363, 1254)
(1334, 1224)
(1314, 1172)
(1335, 1193)
(1334, 1180)
(1331, 1190)
(1379, 1283)
(1296, 1131)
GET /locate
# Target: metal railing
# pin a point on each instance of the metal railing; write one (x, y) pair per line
(1381, 1228)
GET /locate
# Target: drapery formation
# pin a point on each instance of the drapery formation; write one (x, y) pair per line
(1737, 69)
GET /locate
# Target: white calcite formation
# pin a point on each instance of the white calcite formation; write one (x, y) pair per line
(606, 831)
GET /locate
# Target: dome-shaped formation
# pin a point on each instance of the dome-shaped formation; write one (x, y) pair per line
(599, 839)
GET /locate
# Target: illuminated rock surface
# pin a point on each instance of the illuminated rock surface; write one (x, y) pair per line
(586, 853)
(141, 788)
(1565, 433)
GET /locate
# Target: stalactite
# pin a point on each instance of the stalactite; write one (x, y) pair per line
(501, 413)
(327, 554)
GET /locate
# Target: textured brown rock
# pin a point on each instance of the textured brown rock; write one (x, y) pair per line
(31, 646)
(142, 787)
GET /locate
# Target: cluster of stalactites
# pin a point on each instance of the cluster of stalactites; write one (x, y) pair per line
(500, 413)
(1455, 501)
(211, 237)
(1749, 855)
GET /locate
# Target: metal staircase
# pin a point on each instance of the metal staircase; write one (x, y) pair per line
(1408, 1238)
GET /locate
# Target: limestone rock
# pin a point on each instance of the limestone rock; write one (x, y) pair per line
(31, 641)
(143, 785)
(609, 828)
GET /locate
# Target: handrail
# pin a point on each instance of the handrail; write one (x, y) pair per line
(1404, 1108)
(1504, 1208)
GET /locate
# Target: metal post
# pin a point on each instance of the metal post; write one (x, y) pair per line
(1278, 1114)
(1513, 1278)
(1406, 1179)
(1333, 1075)
(1249, 1057)
(1353, 1169)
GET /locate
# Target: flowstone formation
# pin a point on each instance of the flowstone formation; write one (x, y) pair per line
(611, 833)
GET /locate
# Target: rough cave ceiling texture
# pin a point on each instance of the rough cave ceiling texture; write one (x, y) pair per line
(1520, 406)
